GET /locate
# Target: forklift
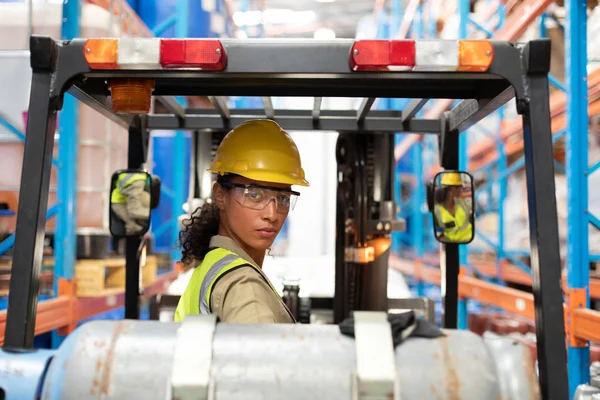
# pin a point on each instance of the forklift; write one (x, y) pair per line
(201, 358)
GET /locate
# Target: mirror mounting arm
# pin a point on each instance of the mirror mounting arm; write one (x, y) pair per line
(448, 145)
(137, 151)
(448, 141)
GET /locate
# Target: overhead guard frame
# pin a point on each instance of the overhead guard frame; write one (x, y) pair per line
(266, 67)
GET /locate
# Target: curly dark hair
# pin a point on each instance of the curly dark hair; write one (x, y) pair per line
(194, 238)
(203, 224)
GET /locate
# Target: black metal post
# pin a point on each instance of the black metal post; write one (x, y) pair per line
(136, 156)
(340, 296)
(543, 232)
(450, 270)
(31, 215)
(342, 277)
(381, 206)
(449, 159)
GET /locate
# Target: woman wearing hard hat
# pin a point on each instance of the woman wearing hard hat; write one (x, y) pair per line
(256, 165)
(452, 212)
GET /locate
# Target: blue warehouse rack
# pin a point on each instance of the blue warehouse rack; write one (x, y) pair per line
(495, 174)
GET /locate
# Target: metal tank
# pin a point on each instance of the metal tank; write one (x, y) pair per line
(154, 360)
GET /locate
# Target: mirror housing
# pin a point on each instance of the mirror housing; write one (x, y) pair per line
(132, 197)
(155, 185)
(451, 201)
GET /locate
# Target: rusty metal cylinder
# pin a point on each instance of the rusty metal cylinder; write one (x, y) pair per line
(134, 359)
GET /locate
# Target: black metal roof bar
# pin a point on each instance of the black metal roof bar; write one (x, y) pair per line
(172, 105)
(220, 104)
(413, 107)
(268, 104)
(469, 112)
(317, 108)
(365, 107)
(299, 120)
(302, 68)
(101, 104)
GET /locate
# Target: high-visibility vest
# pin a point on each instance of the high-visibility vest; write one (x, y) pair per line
(216, 263)
(461, 229)
(123, 181)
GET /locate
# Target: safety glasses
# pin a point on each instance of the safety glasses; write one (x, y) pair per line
(257, 197)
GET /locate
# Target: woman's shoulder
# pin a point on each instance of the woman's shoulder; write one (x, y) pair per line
(220, 258)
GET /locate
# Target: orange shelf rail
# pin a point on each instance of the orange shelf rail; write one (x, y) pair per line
(513, 274)
(65, 311)
(585, 323)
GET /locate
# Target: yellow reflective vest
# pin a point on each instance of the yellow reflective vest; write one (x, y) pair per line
(196, 297)
(123, 181)
(456, 227)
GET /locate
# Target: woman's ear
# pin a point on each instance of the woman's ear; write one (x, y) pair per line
(219, 196)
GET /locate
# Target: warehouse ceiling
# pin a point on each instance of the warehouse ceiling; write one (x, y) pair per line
(302, 18)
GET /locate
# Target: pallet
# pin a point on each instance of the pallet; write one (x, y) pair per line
(98, 278)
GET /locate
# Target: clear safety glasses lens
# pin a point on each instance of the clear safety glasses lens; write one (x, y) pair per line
(257, 198)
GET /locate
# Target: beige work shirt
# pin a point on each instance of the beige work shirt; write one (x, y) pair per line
(243, 295)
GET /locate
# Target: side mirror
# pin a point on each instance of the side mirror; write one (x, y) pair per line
(451, 201)
(131, 201)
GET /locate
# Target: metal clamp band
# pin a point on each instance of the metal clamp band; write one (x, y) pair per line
(375, 377)
(191, 378)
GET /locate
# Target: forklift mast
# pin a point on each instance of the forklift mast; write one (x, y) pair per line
(119, 77)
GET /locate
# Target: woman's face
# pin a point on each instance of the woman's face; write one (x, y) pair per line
(454, 192)
(242, 216)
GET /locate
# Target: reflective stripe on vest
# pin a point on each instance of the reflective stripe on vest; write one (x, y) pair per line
(123, 181)
(209, 279)
(127, 179)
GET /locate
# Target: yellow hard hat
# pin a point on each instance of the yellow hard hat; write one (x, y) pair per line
(451, 179)
(262, 151)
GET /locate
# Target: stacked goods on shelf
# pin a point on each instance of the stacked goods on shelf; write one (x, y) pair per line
(102, 143)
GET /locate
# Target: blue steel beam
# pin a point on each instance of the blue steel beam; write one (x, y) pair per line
(515, 166)
(480, 27)
(159, 29)
(554, 82)
(503, 183)
(8, 243)
(594, 168)
(68, 143)
(543, 29)
(463, 11)
(417, 161)
(395, 21)
(594, 220)
(15, 131)
(182, 28)
(578, 273)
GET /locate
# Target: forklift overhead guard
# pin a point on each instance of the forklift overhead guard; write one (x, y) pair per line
(483, 75)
